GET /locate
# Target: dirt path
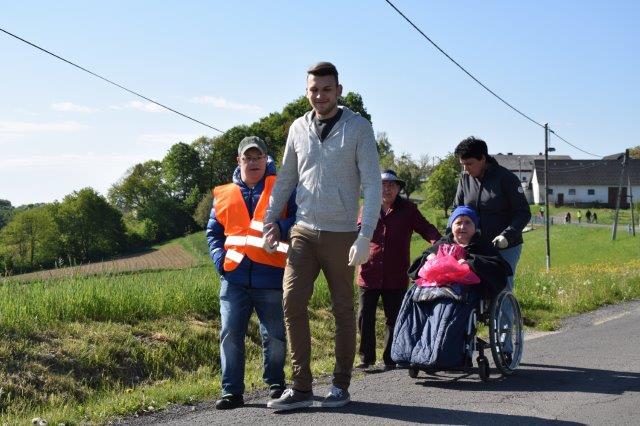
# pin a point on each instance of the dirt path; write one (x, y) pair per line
(167, 257)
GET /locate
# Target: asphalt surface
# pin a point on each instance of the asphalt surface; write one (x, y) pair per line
(587, 373)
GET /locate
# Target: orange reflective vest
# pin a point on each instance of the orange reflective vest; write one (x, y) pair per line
(244, 235)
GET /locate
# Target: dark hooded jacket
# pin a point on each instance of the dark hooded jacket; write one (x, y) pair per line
(249, 272)
(483, 258)
(499, 200)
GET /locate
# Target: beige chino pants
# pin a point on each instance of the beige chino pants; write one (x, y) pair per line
(310, 252)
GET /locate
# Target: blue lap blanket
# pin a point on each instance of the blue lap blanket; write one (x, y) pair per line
(431, 329)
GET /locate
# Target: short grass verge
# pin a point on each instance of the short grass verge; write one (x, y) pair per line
(82, 350)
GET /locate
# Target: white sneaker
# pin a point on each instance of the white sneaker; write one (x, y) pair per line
(335, 398)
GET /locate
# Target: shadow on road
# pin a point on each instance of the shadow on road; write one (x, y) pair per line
(431, 415)
(546, 378)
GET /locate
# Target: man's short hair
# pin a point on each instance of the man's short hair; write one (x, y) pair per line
(471, 147)
(323, 68)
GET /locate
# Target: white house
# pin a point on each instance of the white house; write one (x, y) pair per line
(522, 166)
(585, 182)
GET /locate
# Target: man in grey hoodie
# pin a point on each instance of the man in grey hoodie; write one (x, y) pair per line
(329, 156)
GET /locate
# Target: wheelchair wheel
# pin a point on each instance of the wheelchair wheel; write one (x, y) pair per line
(506, 335)
(413, 372)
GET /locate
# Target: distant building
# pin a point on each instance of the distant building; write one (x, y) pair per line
(585, 182)
(522, 165)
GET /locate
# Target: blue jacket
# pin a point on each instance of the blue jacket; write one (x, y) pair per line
(249, 272)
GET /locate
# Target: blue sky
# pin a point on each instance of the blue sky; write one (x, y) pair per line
(573, 64)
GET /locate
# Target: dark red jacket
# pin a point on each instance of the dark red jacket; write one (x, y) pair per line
(388, 262)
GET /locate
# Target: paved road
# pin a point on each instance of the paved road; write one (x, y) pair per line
(589, 372)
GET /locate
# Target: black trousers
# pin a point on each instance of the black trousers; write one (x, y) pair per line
(391, 302)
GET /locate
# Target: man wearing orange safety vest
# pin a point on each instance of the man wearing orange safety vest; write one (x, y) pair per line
(250, 277)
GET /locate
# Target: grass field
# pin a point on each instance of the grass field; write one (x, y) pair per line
(84, 349)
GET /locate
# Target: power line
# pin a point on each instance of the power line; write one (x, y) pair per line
(109, 81)
(569, 143)
(479, 82)
(462, 68)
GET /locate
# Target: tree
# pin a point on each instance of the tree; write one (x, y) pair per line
(443, 182)
(90, 227)
(182, 170)
(169, 216)
(412, 172)
(203, 211)
(385, 152)
(140, 183)
(6, 211)
(354, 102)
(31, 238)
(635, 152)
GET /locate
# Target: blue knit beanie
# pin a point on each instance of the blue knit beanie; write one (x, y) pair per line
(464, 211)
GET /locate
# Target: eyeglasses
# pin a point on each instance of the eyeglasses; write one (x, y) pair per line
(256, 159)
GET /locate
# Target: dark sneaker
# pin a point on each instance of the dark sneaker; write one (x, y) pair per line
(363, 366)
(389, 367)
(229, 402)
(275, 391)
(291, 399)
(335, 398)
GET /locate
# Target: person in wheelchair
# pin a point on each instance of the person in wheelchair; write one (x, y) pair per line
(432, 327)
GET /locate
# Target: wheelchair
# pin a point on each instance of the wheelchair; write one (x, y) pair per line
(503, 318)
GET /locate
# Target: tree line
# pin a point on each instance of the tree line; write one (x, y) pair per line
(158, 199)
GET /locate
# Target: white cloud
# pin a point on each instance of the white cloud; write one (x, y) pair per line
(71, 107)
(218, 102)
(25, 111)
(27, 127)
(140, 106)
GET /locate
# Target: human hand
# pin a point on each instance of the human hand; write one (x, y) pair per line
(500, 242)
(359, 251)
(271, 236)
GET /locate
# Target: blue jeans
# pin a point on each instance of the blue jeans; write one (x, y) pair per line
(237, 302)
(511, 255)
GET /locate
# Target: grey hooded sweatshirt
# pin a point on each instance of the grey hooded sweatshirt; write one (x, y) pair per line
(328, 175)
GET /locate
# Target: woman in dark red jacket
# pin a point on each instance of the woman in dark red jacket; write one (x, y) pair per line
(385, 273)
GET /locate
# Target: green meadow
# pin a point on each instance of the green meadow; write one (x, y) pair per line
(88, 349)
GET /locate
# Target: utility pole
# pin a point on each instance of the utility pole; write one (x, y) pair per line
(546, 194)
(520, 160)
(619, 197)
(630, 195)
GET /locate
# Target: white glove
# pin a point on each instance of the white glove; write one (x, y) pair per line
(500, 242)
(359, 251)
(271, 233)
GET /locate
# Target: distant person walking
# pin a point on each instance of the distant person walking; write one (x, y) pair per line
(496, 194)
(594, 217)
(579, 216)
(384, 275)
(587, 215)
(250, 277)
(567, 217)
(330, 156)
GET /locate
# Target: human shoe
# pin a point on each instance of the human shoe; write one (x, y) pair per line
(363, 366)
(389, 367)
(291, 399)
(335, 398)
(275, 391)
(229, 402)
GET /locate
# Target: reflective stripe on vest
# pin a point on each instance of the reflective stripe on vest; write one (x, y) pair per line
(244, 235)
